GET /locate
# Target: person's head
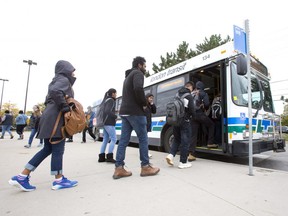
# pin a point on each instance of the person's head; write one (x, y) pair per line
(89, 108)
(140, 63)
(149, 97)
(189, 85)
(112, 93)
(36, 108)
(67, 69)
(200, 85)
(21, 112)
(7, 111)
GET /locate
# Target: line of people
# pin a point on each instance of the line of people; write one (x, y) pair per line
(186, 135)
(132, 112)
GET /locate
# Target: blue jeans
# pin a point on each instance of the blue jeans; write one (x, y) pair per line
(57, 151)
(109, 131)
(32, 134)
(182, 139)
(139, 125)
(6, 128)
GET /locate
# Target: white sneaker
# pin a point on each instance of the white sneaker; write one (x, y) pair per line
(149, 155)
(184, 165)
(40, 145)
(169, 159)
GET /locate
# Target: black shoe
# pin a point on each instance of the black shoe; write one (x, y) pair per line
(69, 140)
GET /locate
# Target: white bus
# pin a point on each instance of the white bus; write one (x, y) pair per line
(222, 70)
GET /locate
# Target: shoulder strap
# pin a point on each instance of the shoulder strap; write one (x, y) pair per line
(54, 130)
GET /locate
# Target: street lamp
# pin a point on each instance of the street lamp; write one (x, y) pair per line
(29, 62)
(2, 92)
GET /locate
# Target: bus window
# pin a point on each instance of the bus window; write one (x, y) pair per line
(240, 89)
(166, 91)
(268, 102)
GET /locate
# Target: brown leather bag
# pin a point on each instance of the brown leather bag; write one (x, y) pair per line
(74, 121)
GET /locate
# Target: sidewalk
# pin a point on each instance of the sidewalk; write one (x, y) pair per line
(208, 188)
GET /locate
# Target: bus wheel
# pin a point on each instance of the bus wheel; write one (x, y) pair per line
(168, 139)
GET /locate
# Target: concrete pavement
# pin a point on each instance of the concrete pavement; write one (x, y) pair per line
(209, 188)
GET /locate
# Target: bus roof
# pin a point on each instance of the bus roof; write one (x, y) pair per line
(221, 52)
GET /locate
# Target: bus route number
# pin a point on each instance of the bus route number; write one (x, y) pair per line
(205, 57)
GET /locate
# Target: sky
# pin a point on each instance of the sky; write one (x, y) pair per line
(101, 38)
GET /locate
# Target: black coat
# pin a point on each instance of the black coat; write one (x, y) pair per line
(109, 111)
(133, 96)
(60, 86)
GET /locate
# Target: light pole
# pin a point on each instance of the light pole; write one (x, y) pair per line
(29, 62)
(2, 92)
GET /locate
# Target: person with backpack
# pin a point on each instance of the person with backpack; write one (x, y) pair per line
(216, 112)
(182, 130)
(58, 90)
(202, 103)
(109, 130)
(133, 118)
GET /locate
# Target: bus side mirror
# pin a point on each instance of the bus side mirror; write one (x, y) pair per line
(241, 65)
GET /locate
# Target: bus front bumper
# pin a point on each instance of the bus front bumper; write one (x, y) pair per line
(241, 147)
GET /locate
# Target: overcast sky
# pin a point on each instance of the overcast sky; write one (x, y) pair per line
(100, 39)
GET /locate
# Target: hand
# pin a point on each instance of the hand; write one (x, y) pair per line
(72, 105)
(65, 109)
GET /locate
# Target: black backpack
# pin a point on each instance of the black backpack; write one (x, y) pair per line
(216, 110)
(175, 110)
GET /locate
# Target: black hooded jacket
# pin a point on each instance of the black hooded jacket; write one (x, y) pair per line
(189, 109)
(60, 86)
(133, 96)
(203, 96)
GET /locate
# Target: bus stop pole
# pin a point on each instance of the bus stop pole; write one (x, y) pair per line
(249, 100)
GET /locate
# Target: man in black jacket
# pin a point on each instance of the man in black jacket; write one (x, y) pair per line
(202, 104)
(182, 133)
(133, 118)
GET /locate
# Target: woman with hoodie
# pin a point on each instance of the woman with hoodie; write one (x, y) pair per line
(59, 89)
(109, 131)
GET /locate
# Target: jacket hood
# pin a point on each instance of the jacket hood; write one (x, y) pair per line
(200, 85)
(65, 68)
(127, 72)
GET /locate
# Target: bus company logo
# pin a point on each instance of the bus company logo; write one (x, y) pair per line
(165, 73)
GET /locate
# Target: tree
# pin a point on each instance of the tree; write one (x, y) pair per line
(183, 52)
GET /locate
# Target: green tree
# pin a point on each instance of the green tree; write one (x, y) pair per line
(183, 52)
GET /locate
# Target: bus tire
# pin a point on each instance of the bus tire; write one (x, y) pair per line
(168, 139)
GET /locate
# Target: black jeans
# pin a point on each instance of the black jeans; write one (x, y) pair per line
(199, 120)
(182, 137)
(90, 131)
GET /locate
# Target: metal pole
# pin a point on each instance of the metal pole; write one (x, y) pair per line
(29, 62)
(249, 100)
(2, 92)
(27, 89)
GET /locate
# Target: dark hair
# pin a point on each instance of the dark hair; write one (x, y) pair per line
(108, 94)
(190, 83)
(21, 112)
(138, 60)
(7, 111)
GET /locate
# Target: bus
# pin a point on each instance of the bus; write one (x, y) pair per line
(222, 70)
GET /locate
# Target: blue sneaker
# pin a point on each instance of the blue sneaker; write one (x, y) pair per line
(22, 184)
(65, 183)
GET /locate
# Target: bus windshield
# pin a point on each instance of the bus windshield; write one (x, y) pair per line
(260, 89)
